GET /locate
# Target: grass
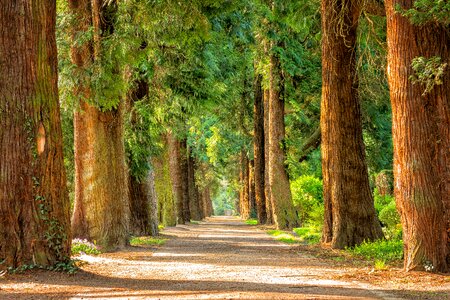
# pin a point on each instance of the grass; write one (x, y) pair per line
(84, 246)
(284, 237)
(381, 250)
(146, 241)
(251, 222)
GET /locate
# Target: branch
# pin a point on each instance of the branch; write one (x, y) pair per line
(310, 144)
(374, 7)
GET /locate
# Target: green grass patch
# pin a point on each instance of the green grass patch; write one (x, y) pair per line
(381, 250)
(284, 237)
(84, 246)
(311, 235)
(146, 241)
(251, 222)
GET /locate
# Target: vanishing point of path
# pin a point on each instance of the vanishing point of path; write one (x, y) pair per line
(221, 258)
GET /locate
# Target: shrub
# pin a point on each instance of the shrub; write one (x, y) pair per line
(382, 250)
(84, 246)
(308, 199)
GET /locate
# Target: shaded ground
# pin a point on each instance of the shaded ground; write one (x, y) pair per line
(222, 258)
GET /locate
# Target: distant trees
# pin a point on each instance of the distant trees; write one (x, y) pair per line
(34, 204)
(419, 80)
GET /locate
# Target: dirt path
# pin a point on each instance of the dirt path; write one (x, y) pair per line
(218, 259)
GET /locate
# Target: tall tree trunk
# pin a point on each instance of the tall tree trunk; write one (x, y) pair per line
(175, 174)
(284, 213)
(34, 204)
(251, 189)
(163, 188)
(350, 216)
(184, 180)
(194, 202)
(101, 210)
(258, 147)
(244, 201)
(269, 208)
(421, 135)
(143, 206)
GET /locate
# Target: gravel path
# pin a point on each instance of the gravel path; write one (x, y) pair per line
(221, 258)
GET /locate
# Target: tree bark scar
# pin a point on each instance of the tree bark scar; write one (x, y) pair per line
(41, 139)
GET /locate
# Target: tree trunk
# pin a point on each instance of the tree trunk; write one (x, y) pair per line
(194, 202)
(284, 214)
(101, 209)
(163, 188)
(184, 179)
(350, 216)
(251, 189)
(244, 201)
(143, 206)
(175, 174)
(421, 136)
(34, 204)
(258, 147)
(269, 208)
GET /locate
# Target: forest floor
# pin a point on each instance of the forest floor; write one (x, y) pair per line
(223, 258)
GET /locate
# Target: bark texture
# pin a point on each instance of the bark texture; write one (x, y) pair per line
(258, 147)
(143, 206)
(350, 216)
(163, 188)
(101, 209)
(194, 201)
(175, 174)
(421, 136)
(269, 209)
(284, 213)
(34, 204)
(244, 200)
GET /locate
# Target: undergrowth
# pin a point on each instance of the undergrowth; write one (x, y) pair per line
(146, 240)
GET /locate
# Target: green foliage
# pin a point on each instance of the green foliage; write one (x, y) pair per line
(311, 235)
(147, 241)
(251, 222)
(80, 246)
(428, 72)
(283, 236)
(425, 11)
(384, 250)
(307, 197)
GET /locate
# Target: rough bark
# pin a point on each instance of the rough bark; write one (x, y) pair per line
(184, 170)
(34, 204)
(350, 216)
(244, 201)
(284, 214)
(258, 148)
(164, 188)
(143, 206)
(194, 202)
(175, 174)
(421, 136)
(269, 209)
(101, 209)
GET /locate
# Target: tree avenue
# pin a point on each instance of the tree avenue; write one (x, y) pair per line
(322, 117)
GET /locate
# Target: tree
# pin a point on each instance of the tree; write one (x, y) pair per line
(284, 214)
(101, 211)
(350, 216)
(258, 148)
(421, 134)
(34, 204)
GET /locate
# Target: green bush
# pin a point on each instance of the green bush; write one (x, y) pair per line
(307, 197)
(311, 235)
(84, 246)
(382, 250)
